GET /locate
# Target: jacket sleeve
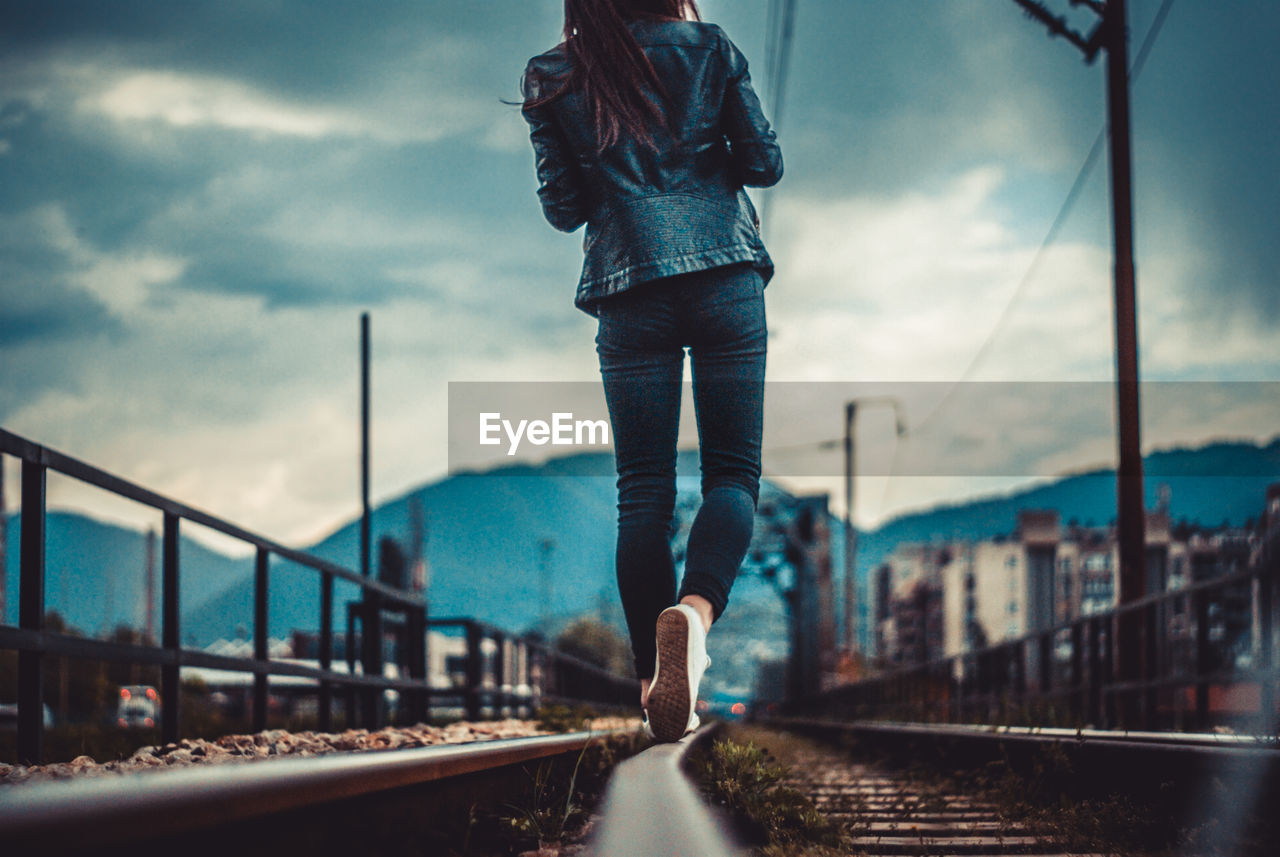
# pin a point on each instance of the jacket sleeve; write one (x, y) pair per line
(559, 187)
(753, 146)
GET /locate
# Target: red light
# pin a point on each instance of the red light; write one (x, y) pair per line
(124, 693)
(151, 693)
(121, 722)
(148, 722)
(738, 708)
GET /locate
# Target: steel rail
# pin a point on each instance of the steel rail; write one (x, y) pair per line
(651, 808)
(1229, 745)
(108, 810)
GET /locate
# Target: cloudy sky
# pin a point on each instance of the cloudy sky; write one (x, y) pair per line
(198, 200)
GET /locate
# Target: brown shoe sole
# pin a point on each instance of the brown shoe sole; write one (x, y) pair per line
(669, 697)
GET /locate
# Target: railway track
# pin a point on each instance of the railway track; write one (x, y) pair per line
(887, 813)
(1047, 791)
(420, 801)
(424, 801)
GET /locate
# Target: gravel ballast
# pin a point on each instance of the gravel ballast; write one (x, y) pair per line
(279, 743)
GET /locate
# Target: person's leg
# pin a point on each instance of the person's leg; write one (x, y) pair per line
(727, 334)
(641, 365)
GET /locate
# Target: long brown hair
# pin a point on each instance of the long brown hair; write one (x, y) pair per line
(609, 68)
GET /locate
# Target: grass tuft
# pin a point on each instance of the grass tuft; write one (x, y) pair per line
(747, 781)
(562, 718)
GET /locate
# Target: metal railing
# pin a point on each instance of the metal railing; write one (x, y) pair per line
(507, 672)
(1193, 662)
(556, 675)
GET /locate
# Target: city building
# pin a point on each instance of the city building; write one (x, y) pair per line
(946, 598)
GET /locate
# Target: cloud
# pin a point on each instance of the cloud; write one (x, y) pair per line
(909, 287)
(186, 101)
(192, 102)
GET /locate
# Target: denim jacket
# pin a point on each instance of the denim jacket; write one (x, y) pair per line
(653, 214)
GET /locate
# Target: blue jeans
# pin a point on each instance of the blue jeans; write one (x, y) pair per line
(719, 314)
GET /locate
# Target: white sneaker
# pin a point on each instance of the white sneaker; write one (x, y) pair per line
(682, 659)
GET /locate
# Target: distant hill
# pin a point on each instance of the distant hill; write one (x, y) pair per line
(95, 572)
(483, 532)
(1221, 482)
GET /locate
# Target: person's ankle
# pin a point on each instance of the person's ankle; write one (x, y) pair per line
(702, 607)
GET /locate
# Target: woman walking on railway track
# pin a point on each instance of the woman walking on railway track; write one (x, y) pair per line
(645, 127)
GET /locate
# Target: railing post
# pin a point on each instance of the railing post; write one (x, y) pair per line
(1200, 604)
(416, 630)
(31, 613)
(522, 674)
(325, 655)
(260, 652)
(475, 670)
(1106, 632)
(170, 674)
(1077, 673)
(349, 690)
(1151, 659)
(501, 681)
(1267, 721)
(535, 662)
(1020, 673)
(1046, 661)
(1094, 703)
(371, 658)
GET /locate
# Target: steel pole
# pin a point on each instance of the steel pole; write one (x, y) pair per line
(1130, 522)
(366, 532)
(850, 534)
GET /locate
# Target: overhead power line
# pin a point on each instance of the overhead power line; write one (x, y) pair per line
(1082, 177)
(782, 60)
(771, 33)
(779, 35)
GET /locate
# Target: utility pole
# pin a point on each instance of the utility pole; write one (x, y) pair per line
(366, 531)
(371, 630)
(850, 533)
(4, 542)
(1111, 34)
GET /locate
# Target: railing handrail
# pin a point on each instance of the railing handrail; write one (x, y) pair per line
(1065, 672)
(30, 451)
(1192, 589)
